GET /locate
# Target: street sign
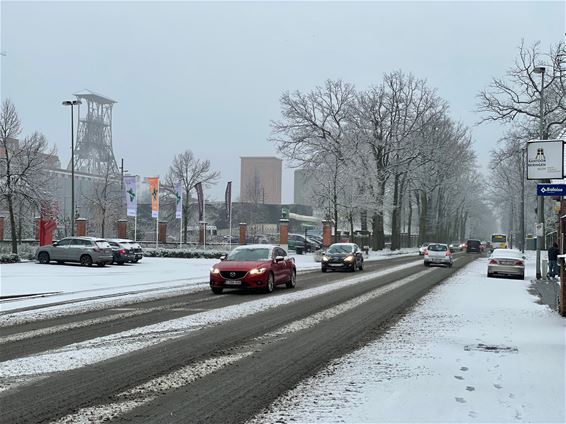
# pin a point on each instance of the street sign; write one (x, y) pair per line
(545, 159)
(539, 230)
(551, 189)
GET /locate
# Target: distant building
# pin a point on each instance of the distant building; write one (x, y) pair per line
(260, 179)
(303, 188)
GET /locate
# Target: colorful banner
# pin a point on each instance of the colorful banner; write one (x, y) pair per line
(130, 187)
(200, 198)
(228, 200)
(178, 199)
(154, 191)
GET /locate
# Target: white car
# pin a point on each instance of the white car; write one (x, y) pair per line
(508, 262)
(423, 248)
(438, 254)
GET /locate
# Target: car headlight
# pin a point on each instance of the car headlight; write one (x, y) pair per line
(214, 271)
(257, 271)
(325, 258)
(349, 258)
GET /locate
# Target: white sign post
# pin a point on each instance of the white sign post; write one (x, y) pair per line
(545, 160)
(539, 229)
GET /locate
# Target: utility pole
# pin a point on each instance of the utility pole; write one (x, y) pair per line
(523, 150)
(540, 199)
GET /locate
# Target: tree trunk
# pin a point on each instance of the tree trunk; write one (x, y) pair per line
(351, 220)
(395, 216)
(423, 230)
(12, 224)
(409, 222)
(364, 220)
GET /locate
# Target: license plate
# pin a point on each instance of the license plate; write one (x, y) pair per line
(232, 283)
(335, 264)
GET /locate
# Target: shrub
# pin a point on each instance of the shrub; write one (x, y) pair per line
(9, 258)
(183, 253)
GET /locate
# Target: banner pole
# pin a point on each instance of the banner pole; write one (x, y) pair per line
(230, 226)
(204, 216)
(136, 227)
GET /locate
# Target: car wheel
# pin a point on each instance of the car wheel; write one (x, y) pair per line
(135, 261)
(293, 281)
(361, 267)
(86, 260)
(120, 262)
(101, 264)
(450, 265)
(354, 265)
(426, 264)
(489, 275)
(60, 262)
(43, 258)
(270, 283)
(323, 269)
(217, 290)
(521, 277)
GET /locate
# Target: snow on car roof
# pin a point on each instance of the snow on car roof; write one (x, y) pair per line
(256, 246)
(500, 253)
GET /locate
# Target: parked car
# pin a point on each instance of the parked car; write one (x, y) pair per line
(134, 246)
(423, 248)
(122, 252)
(298, 240)
(473, 245)
(258, 266)
(343, 256)
(85, 250)
(506, 262)
(438, 254)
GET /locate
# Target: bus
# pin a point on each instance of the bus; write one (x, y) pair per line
(498, 241)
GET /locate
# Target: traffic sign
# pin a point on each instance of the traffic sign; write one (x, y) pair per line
(551, 189)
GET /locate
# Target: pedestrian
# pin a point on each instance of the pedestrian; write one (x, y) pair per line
(553, 260)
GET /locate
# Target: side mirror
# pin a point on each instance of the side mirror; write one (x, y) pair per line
(55, 243)
(279, 259)
(223, 257)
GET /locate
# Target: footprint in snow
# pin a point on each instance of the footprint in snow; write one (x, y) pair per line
(470, 388)
(472, 414)
(458, 377)
(460, 399)
(498, 386)
(464, 368)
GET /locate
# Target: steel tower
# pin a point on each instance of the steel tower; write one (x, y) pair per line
(93, 151)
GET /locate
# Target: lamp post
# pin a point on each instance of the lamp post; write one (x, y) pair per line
(540, 199)
(72, 103)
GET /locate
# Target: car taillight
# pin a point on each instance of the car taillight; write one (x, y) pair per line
(447, 253)
(493, 262)
(426, 252)
(121, 251)
(519, 263)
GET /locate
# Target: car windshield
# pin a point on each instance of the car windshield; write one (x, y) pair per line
(247, 254)
(437, 247)
(341, 248)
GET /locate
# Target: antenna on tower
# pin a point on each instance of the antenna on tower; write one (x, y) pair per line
(93, 152)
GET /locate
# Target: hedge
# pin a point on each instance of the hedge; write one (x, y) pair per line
(183, 253)
(9, 258)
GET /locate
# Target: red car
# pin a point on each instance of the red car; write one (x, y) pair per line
(256, 266)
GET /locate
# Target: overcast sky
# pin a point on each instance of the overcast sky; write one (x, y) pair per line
(208, 76)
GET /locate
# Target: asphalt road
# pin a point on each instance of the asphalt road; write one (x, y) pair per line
(218, 374)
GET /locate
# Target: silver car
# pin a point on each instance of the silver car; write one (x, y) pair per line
(506, 262)
(438, 254)
(85, 250)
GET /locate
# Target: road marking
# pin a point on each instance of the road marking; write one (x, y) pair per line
(144, 393)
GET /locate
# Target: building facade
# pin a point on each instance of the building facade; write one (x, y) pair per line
(260, 179)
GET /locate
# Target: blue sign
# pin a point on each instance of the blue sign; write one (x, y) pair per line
(551, 189)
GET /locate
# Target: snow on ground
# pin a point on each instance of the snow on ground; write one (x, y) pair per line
(70, 282)
(473, 350)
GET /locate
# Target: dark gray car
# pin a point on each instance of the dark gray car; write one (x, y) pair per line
(85, 250)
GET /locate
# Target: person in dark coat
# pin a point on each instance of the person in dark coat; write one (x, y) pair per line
(553, 260)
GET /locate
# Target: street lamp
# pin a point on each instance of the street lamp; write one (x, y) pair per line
(540, 200)
(72, 103)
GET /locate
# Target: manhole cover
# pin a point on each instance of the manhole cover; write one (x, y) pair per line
(492, 348)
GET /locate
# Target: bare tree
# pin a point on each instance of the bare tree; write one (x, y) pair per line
(314, 131)
(189, 171)
(22, 166)
(104, 199)
(517, 97)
